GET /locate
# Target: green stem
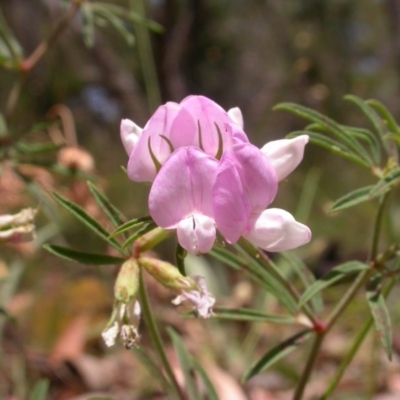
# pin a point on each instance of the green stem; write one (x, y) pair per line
(344, 302)
(353, 350)
(377, 228)
(146, 58)
(13, 97)
(309, 366)
(156, 337)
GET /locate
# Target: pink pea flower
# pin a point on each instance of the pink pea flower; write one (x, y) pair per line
(181, 198)
(207, 176)
(197, 121)
(245, 185)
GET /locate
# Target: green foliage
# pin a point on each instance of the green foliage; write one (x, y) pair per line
(103, 14)
(277, 353)
(335, 275)
(81, 257)
(380, 313)
(40, 390)
(189, 365)
(87, 220)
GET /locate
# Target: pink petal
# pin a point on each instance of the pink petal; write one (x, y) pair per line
(174, 123)
(130, 133)
(276, 230)
(285, 154)
(183, 187)
(196, 234)
(245, 184)
(208, 115)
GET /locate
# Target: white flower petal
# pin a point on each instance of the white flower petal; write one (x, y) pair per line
(201, 299)
(110, 334)
(276, 230)
(130, 133)
(236, 116)
(196, 234)
(285, 154)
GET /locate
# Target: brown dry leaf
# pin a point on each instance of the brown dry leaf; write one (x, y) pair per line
(3, 270)
(225, 385)
(70, 344)
(97, 373)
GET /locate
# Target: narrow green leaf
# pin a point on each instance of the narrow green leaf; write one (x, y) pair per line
(59, 169)
(368, 137)
(138, 234)
(330, 124)
(353, 198)
(115, 22)
(88, 25)
(388, 117)
(357, 133)
(40, 390)
(154, 370)
(370, 113)
(113, 214)
(11, 47)
(3, 126)
(186, 363)
(390, 181)
(247, 314)
(133, 16)
(86, 219)
(273, 280)
(209, 387)
(306, 276)
(333, 276)
(333, 146)
(5, 314)
(257, 273)
(35, 148)
(277, 353)
(380, 313)
(129, 225)
(82, 257)
(180, 255)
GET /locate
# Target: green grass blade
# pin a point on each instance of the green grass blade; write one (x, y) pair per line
(86, 219)
(82, 257)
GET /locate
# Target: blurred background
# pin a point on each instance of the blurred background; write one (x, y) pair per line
(252, 54)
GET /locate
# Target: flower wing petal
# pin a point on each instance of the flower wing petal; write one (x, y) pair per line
(130, 133)
(236, 116)
(276, 230)
(285, 154)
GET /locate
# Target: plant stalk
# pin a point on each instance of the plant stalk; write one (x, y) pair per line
(156, 337)
(343, 303)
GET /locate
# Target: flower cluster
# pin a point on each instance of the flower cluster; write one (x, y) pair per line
(207, 176)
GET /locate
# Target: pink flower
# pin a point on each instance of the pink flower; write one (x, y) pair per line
(207, 176)
(246, 183)
(196, 121)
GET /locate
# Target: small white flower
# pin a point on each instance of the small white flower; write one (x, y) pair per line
(201, 299)
(124, 322)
